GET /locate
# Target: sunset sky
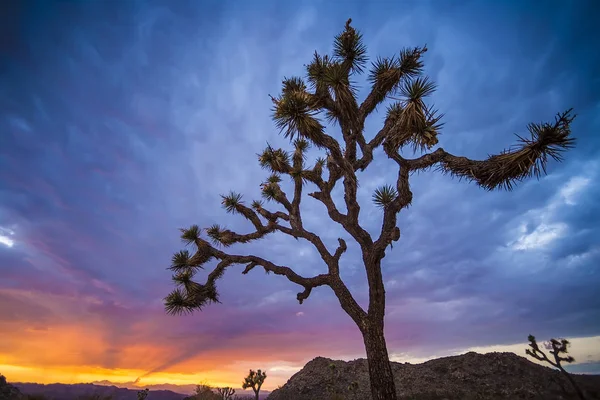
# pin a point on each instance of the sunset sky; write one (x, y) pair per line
(123, 121)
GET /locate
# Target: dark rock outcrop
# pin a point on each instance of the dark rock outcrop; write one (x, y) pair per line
(468, 376)
(8, 391)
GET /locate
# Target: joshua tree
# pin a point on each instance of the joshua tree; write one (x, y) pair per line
(254, 380)
(410, 124)
(226, 393)
(142, 394)
(558, 348)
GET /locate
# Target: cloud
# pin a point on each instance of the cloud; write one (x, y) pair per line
(123, 124)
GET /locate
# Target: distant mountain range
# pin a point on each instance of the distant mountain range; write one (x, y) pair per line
(125, 391)
(183, 389)
(60, 391)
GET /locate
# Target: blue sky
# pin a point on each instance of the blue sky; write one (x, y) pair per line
(123, 121)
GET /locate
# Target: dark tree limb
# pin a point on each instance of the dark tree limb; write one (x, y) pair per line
(558, 347)
(193, 295)
(528, 158)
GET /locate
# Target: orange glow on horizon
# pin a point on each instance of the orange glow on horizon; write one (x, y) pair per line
(86, 374)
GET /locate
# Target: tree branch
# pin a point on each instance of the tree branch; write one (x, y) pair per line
(191, 295)
(513, 165)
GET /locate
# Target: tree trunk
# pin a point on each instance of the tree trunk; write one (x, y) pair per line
(380, 369)
(572, 381)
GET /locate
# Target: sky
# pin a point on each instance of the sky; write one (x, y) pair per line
(123, 121)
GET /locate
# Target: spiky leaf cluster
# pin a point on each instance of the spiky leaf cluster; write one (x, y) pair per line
(191, 234)
(414, 122)
(295, 116)
(270, 188)
(276, 160)
(256, 204)
(388, 73)
(189, 297)
(349, 50)
(316, 71)
(384, 196)
(231, 202)
(220, 235)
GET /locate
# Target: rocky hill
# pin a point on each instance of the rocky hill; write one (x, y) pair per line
(465, 377)
(8, 391)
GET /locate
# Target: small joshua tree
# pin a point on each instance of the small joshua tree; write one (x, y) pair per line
(254, 380)
(558, 348)
(142, 394)
(329, 93)
(226, 393)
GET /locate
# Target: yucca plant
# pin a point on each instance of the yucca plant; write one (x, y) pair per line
(226, 393)
(254, 381)
(558, 349)
(142, 394)
(328, 95)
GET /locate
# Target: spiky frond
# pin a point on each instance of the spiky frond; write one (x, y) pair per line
(413, 121)
(184, 300)
(176, 303)
(527, 159)
(256, 204)
(394, 111)
(385, 72)
(335, 76)
(421, 125)
(184, 277)
(316, 71)
(301, 145)
(348, 48)
(294, 116)
(415, 90)
(277, 160)
(270, 191)
(190, 234)
(273, 178)
(411, 61)
(180, 260)
(293, 84)
(319, 164)
(214, 233)
(384, 195)
(231, 201)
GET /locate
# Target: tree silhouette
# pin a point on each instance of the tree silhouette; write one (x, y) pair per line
(204, 391)
(142, 394)
(410, 124)
(557, 348)
(254, 380)
(226, 393)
